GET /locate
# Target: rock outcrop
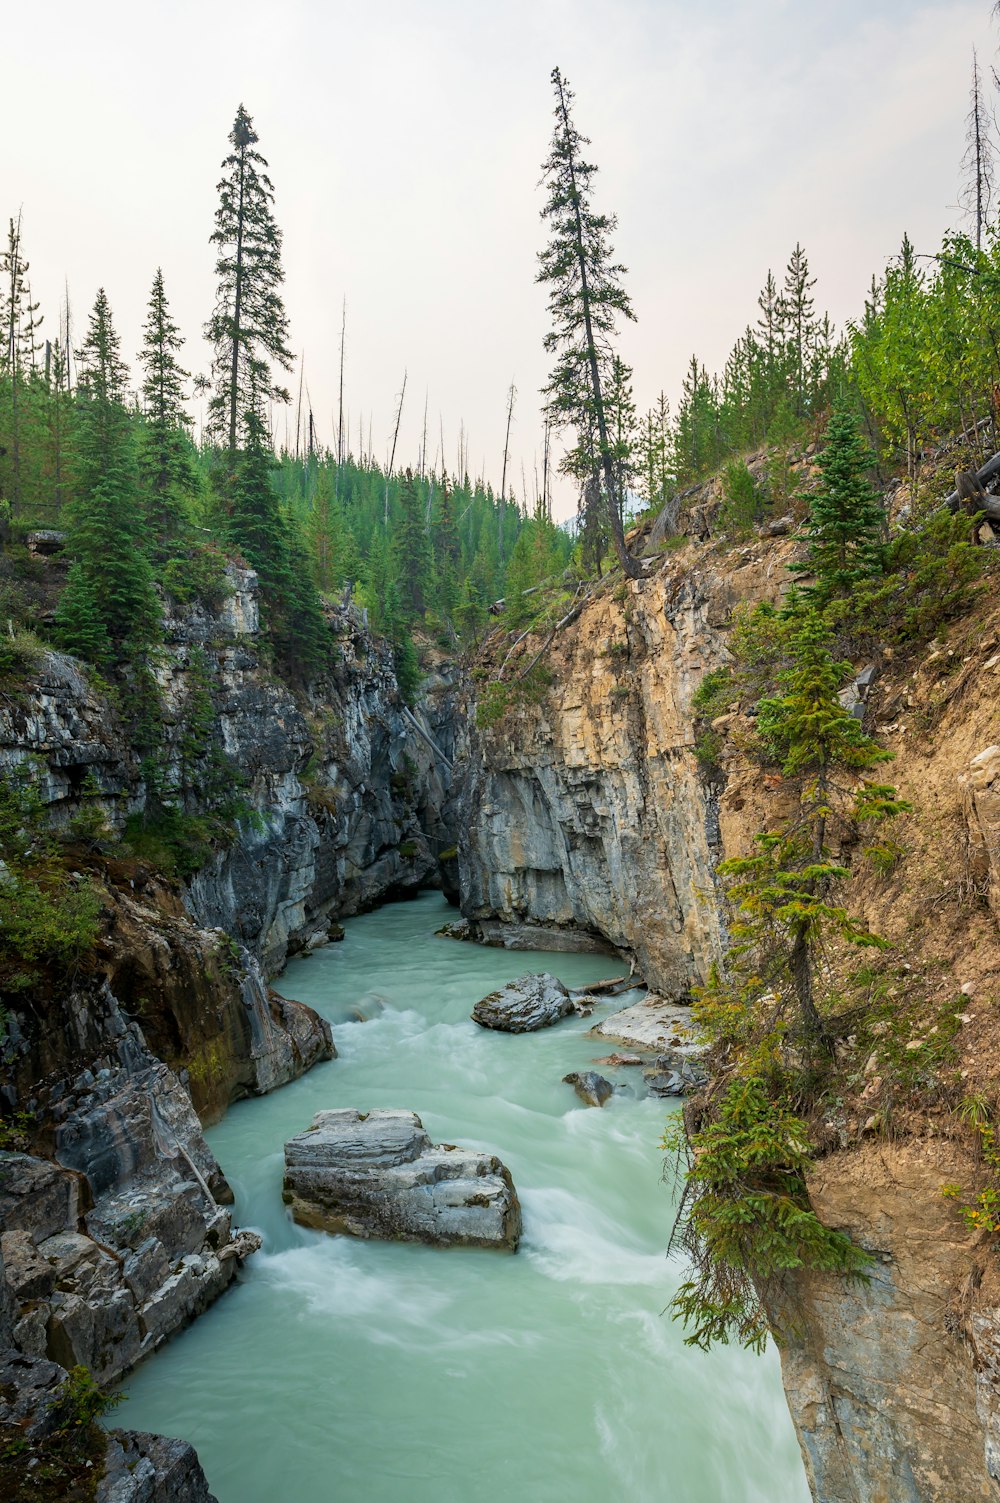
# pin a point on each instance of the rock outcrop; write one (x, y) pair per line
(586, 816)
(377, 1174)
(525, 1005)
(46, 1453)
(981, 798)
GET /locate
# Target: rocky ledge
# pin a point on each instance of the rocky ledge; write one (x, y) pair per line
(525, 1005)
(377, 1174)
(48, 1452)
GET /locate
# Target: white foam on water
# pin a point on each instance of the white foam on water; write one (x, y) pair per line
(334, 1278)
(571, 1240)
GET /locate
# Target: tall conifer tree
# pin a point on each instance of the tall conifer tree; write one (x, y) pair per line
(249, 327)
(586, 299)
(166, 464)
(108, 612)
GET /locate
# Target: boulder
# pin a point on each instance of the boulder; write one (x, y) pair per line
(523, 1006)
(377, 1174)
(592, 1089)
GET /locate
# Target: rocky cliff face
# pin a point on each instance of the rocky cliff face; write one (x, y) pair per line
(586, 815)
(115, 1230)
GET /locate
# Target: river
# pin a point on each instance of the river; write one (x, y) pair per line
(343, 1371)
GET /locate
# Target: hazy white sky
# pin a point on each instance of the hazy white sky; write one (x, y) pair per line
(404, 139)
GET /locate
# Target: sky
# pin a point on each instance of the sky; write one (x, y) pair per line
(405, 139)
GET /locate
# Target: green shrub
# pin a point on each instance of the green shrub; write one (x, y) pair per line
(746, 1220)
(198, 574)
(742, 508)
(48, 919)
(931, 575)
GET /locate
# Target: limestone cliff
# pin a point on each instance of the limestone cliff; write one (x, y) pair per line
(115, 1230)
(586, 813)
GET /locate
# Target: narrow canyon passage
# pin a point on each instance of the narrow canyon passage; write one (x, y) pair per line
(365, 1372)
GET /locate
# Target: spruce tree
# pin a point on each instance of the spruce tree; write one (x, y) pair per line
(167, 470)
(109, 611)
(249, 327)
(586, 299)
(846, 518)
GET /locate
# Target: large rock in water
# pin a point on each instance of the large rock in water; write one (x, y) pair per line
(592, 1089)
(377, 1174)
(522, 1006)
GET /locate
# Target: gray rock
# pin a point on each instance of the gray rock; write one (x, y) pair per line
(377, 1174)
(591, 1088)
(525, 1005)
(675, 1074)
(143, 1468)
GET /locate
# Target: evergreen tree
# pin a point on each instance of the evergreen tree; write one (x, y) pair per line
(783, 891)
(846, 518)
(797, 313)
(20, 325)
(263, 536)
(109, 610)
(167, 468)
(249, 327)
(413, 548)
(586, 298)
(447, 549)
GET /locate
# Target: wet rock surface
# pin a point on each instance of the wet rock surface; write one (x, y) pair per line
(525, 1005)
(377, 1174)
(592, 1089)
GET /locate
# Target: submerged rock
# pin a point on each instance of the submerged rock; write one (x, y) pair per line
(377, 1174)
(524, 1005)
(591, 1088)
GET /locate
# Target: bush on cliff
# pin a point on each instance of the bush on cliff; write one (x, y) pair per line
(48, 916)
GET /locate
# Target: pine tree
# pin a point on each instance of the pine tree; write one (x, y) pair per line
(167, 469)
(249, 328)
(109, 611)
(846, 519)
(586, 298)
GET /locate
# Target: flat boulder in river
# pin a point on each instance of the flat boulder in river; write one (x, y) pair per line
(377, 1174)
(525, 1005)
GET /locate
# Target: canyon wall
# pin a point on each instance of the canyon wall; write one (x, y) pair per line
(115, 1226)
(587, 818)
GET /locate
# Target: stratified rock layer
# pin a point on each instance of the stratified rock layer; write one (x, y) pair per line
(587, 815)
(377, 1174)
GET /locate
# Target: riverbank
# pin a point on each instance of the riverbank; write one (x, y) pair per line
(373, 1372)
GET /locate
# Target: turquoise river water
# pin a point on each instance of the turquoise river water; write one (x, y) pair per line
(343, 1371)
